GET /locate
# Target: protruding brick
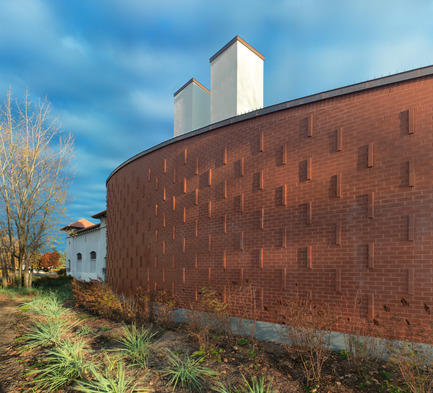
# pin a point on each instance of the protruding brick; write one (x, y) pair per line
(184, 185)
(338, 280)
(196, 166)
(241, 276)
(164, 194)
(284, 279)
(156, 183)
(241, 203)
(371, 255)
(165, 166)
(183, 275)
(163, 220)
(411, 120)
(262, 219)
(184, 215)
(173, 287)
(371, 205)
(225, 223)
(262, 299)
(284, 237)
(261, 258)
(225, 189)
(340, 139)
(338, 233)
(149, 177)
(156, 210)
(242, 165)
(174, 175)
(225, 156)
(284, 158)
(156, 235)
(338, 185)
(185, 158)
(174, 232)
(163, 274)
(261, 180)
(196, 261)
(310, 125)
(196, 196)
(209, 179)
(411, 228)
(370, 297)
(156, 261)
(262, 141)
(284, 195)
(174, 203)
(370, 160)
(241, 240)
(411, 281)
(309, 257)
(209, 242)
(163, 247)
(196, 228)
(411, 167)
(309, 212)
(209, 209)
(309, 168)
(184, 245)
(224, 260)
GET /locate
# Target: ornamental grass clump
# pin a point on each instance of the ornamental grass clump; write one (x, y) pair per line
(111, 379)
(49, 305)
(186, 373)
(46, 333)
(136, 345)
(64, 364)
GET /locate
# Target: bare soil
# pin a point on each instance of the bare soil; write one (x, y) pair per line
(11, 364)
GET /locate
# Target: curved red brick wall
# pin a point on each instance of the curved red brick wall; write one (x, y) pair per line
(316, 200)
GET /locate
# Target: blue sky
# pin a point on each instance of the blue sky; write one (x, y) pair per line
(110, 67)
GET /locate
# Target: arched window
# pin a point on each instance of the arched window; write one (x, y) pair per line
(79, 257)
(93, 256)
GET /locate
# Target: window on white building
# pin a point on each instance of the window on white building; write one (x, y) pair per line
(93, 256)
(79, 257)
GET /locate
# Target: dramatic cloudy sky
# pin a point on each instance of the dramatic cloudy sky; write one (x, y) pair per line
(110, 67)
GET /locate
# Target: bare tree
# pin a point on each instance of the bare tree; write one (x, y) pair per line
(34, 162)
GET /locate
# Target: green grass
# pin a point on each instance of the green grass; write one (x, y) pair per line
(110, 380)
(136, 345)
(186, 373)
(65, 363)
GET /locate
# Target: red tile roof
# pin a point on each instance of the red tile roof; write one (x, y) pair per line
(80, 224)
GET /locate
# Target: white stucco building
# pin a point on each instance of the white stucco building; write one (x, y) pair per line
(86, 248)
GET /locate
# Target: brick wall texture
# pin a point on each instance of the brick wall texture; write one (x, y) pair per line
(330, 200)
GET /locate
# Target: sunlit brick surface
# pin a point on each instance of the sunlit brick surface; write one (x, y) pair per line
(316, 200)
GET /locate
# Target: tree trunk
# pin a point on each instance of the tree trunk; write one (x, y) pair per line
(28, 275)
(4, 275)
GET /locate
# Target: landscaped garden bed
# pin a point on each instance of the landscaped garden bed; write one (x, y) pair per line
(98, 342)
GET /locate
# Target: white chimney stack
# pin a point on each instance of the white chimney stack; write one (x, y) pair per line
(191, 107)
(236, 80)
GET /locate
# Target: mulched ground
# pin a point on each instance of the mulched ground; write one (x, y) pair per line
(232, 359)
